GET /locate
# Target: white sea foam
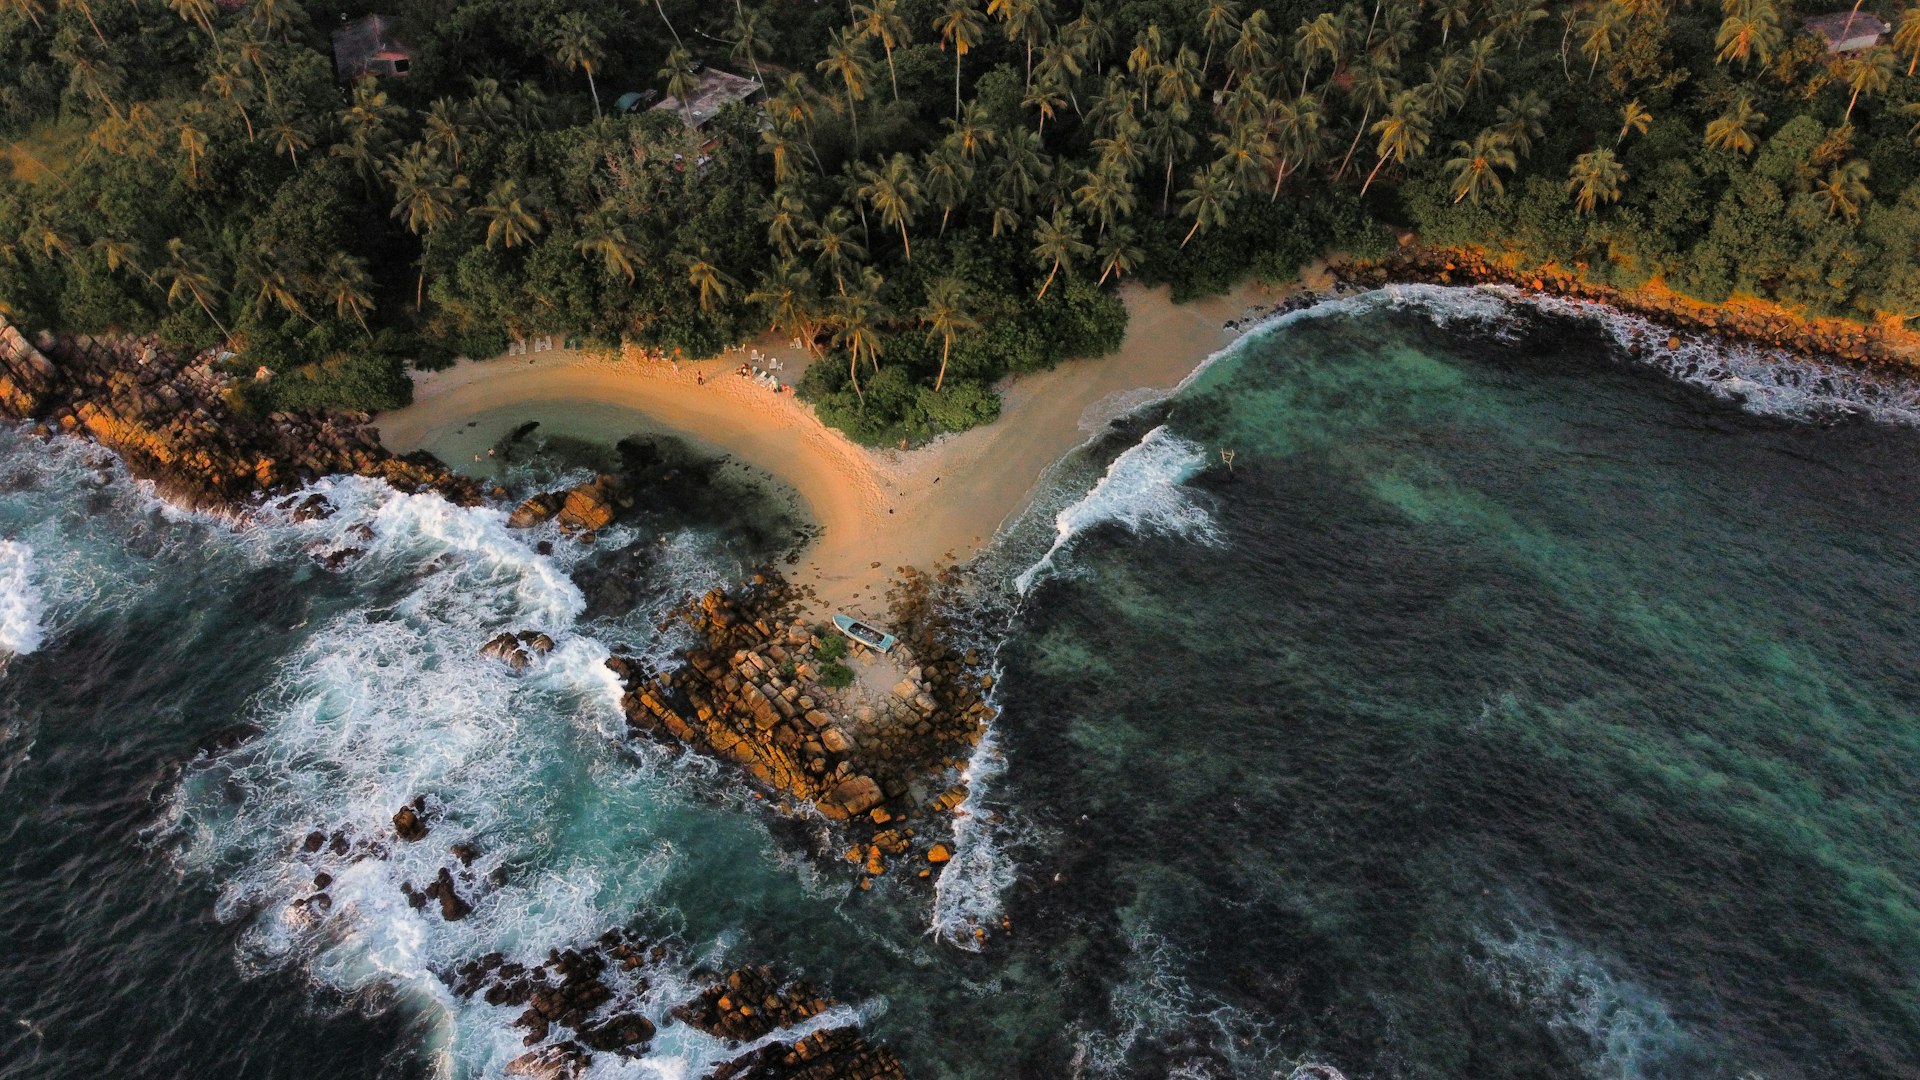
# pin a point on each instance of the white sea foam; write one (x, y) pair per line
(21, 605)
(1143, 490)
(385, 703)
(967, 894)
(1617, 1027)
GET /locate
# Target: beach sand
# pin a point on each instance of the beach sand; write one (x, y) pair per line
(878, 510)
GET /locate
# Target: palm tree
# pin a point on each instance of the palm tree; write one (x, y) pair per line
(278, 280)
(1521, 120)
(1057, 241)
(578, 45)
(1633, 117)
(838, 252)
(229, 85)
(681, 85)
(1045, 99)
(1117, 254)
(948, 177)
(1595, 178)
(198, 12)
(1404, 133)
(610, 243)
(1476, 166)
(1734, 129)
(1105, 195)
(1372, 88)
(893, 190)
(1868, 73)
(187, 277)
(1322, 36)
(1208, 200)
(1019, 171)
(1252, 49)
(289, 137)
(961, 25)
(193, 142)
(1245, 154)
(880, 20)
(705, 278)
(1751, 30)
(30, 8)
(856, 315)
(1600, 34)
(969, 133)
(1144, 59)
(787, 294)
(847, 58)
(427, 195)
(1168, 138)
(1906, 36)
(749, 44)
(1295, 134)
(1844, 190)
(509, 212)
(442, 131)
(345, 281)
(85, 8)
(1219, 24)
(1450, 14)
(783, 214)
(946, 317)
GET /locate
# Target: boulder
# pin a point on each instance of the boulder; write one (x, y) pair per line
(590, 506)
(408, 825)
(856, 795)
(452, 907)
(507, 649)
(535, 510)
(938, 854)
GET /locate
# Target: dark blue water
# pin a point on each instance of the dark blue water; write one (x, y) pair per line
(1511, 708)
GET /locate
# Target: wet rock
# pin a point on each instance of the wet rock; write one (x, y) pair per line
(408, 825)
(535, 510)
(226, 739)
(507, 649)
(856, 795)
(314, 507)
(560, 1062)
(938, 854)
(452, 907)
(628, 1031)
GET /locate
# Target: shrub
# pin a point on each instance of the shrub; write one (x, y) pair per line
(836, 675)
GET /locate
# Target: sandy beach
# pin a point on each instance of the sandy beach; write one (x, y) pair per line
(878, 510)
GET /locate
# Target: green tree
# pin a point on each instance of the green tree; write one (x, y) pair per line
(1404, 133)
(847, 58)
(1868, 73)
(945, 316)
(880, 20)
(1749, 31)
(509, 211)
(961, 26)
(1208, 200)
(578, 45)
(1844, 190)
(1476, 166)
(893, 190)
(1596, 178)
(1057, 242)
(1735, 129)
(345, 281)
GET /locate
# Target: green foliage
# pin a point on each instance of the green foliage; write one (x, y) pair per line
(832, 645)
(836, 676)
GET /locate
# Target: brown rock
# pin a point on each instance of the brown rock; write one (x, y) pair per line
(938, 854)
(409, 825)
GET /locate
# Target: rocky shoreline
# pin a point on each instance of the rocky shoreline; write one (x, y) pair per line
(174, 422)
(1754, 322)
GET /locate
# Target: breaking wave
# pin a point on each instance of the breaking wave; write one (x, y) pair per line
(1144, 490)
(21, 605)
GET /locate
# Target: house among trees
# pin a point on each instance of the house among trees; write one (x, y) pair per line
(1848, 31)
(366, 46)
(714, 90)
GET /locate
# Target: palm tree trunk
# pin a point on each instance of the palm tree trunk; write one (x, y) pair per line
(903, 238)
(956, 82)
(1376, 172)
(1279, 178)
(1190, 232)
(1166, 190)
(595, 91)
(669, 22)
(1364, 117)
(853, 373)
(1045, 285)
(892, 75)
(945, 348)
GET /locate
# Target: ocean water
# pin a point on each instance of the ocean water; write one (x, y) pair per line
(1527, 700)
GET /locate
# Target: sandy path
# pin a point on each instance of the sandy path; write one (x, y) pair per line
(878, 509)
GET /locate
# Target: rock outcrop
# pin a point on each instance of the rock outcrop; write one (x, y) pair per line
(581, 510)
(752, 694)
(588, 999)
(1745, 320)
(174, 421)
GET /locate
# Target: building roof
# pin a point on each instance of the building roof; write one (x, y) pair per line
(717, 90)
(1848, 29)
(366, 46)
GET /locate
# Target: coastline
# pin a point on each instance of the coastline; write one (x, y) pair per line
(878, 510)
(1738, 319)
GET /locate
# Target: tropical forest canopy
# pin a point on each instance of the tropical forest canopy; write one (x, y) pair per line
(934, 192)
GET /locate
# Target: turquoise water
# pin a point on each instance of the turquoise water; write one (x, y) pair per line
(1510, 709)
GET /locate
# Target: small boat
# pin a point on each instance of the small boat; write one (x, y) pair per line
(871, 636)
